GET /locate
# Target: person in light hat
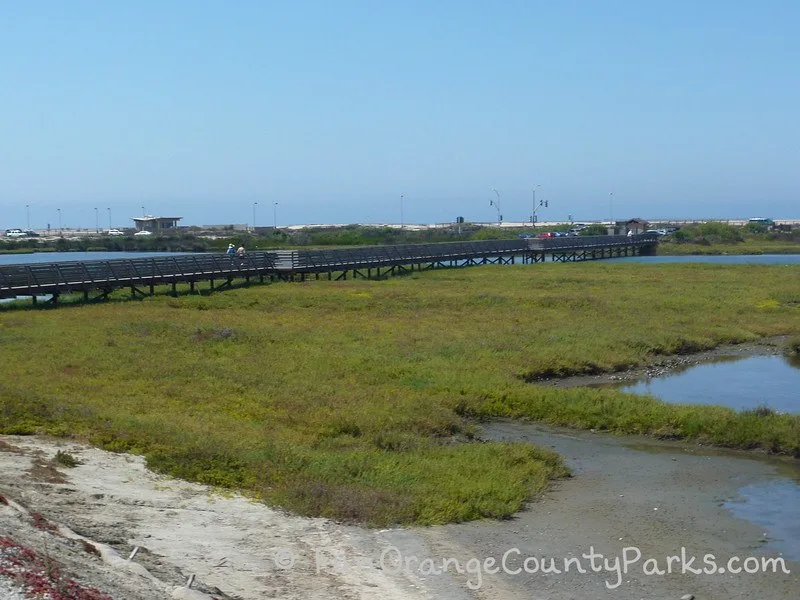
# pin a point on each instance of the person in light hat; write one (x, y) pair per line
(231, 250)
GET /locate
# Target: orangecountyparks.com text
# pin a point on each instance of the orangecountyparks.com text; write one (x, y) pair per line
(513, 562)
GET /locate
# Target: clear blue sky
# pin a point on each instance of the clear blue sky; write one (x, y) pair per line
(199, 108)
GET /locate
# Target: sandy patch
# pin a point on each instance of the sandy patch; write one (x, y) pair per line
(230, 546)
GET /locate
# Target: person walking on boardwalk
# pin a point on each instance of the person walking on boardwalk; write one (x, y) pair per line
(240, 252)
(231, 250)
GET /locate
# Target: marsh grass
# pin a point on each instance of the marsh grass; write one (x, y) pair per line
(752, 245)
(358, 400)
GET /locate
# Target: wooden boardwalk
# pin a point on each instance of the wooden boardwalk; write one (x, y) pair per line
(141, 275)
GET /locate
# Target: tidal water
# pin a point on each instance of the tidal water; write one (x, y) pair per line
(735, 382)
(722, 259)
(742, 384)
(51, 257)
(775, 506)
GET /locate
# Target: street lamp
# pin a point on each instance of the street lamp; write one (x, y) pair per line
(496, 204)
(59, 221)
(96, 220)
(28, 213)
(401, 212)
(533, 211)
(254, 216)
(611, 210)
(275, 215)
(109, 218)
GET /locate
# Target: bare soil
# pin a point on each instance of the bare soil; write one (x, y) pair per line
(90, 518)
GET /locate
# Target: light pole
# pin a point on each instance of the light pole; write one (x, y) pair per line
(402, 222)
(59, 221)
(542, 204)
(275, 216)
(533, 211)
(611, 210)
(28, 213)
(496, 204)
(144, 214)
(109, 218)
(96, 220)
(254, 216)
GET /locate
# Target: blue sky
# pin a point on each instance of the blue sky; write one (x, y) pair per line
(682, 109)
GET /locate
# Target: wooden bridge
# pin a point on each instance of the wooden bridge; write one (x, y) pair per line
(141, 275)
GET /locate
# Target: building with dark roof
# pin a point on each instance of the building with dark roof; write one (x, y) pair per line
(155, 224)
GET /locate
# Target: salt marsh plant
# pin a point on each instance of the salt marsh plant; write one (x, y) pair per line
(361, 400)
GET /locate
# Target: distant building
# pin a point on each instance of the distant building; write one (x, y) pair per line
(637, 226)
(155, 224)
(761, 222)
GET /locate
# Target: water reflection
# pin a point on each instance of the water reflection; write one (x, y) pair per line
(739, 383)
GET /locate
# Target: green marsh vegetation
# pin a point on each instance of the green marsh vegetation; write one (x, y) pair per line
(360, 400)
(720, 238)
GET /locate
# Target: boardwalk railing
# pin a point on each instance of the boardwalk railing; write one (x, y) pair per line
(591, 241)
(107, 275)
(66, 277)
(364, 257)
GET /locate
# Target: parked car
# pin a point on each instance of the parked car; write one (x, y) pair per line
(115, 232)
(15, 233)
(547, 234)
(143, 233)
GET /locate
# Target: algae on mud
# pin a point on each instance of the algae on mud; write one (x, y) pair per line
(357, 400)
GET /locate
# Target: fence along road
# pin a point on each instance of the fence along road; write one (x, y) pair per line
(105, 276)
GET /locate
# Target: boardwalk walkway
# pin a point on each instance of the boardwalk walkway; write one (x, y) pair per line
(104, 276)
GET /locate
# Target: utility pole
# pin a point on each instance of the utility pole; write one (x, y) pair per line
(402, 221)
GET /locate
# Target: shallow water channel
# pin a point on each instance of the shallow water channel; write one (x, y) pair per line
(744, 383)
(702, 491)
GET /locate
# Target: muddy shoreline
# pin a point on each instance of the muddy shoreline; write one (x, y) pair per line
(663, 365)
(632, 492)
